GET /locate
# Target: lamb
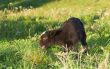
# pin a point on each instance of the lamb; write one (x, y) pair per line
(68, 35)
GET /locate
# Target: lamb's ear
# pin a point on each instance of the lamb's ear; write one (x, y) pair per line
(56, 32)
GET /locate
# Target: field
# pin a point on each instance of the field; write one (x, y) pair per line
(22, 22)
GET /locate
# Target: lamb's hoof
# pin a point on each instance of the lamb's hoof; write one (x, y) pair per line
(84, 50)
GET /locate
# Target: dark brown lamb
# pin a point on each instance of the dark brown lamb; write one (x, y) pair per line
(68, 35)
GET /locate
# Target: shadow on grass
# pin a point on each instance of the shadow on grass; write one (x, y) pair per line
(25, 27)
(96, 44)
(9, 57)
(100, 41)
(23, 3)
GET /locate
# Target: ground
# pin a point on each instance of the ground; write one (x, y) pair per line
(22, 22)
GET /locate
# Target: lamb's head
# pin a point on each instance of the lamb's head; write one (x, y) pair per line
(46, 38)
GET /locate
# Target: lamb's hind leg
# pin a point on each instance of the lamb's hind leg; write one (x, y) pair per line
(84, 45)
(82, 39)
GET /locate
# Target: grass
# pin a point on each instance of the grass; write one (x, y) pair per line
(22, 23)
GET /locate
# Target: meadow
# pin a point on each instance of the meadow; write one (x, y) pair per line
(22, 22)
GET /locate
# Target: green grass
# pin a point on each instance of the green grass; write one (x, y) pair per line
(22, 22)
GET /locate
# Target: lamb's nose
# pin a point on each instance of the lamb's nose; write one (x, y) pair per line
(43, 47)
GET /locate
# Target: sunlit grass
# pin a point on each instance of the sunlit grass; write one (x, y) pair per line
(21, 26)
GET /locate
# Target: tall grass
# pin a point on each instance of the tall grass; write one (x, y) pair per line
(20, 29)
